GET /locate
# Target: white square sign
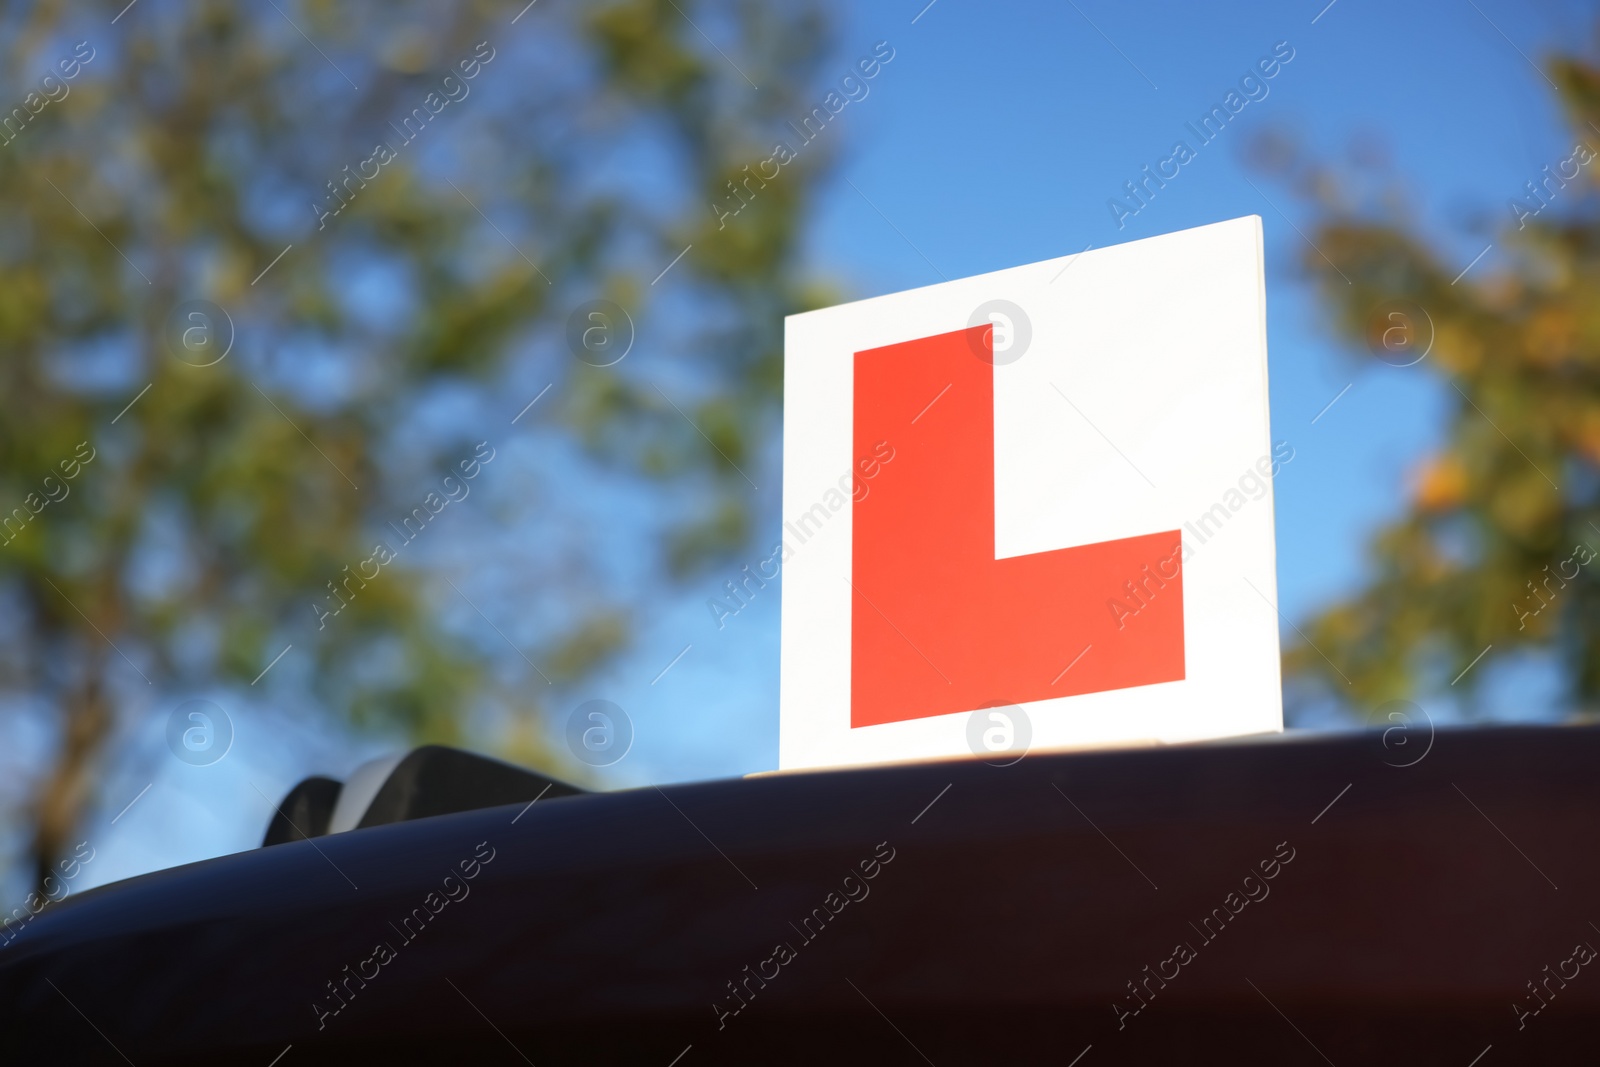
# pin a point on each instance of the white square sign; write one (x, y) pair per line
(1033, 509)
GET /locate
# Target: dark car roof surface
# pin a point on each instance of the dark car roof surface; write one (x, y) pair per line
(1343, 900)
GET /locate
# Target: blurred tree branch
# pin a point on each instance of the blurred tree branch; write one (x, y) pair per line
(185, 156)
(1490, 549)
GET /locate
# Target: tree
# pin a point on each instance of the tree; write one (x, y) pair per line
(1495, 544)
(252, 248)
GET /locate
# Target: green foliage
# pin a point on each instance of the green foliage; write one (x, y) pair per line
(1488, 549)
(202, 139)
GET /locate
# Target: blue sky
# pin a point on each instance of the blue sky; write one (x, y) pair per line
(995, 137)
